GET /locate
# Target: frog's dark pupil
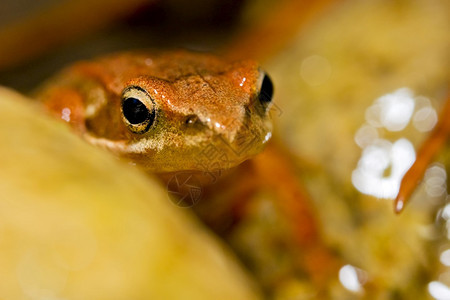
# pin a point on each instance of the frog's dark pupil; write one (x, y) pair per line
(266, 92)
(135, 111)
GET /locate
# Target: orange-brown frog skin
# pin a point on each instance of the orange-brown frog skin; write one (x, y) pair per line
(166, 111)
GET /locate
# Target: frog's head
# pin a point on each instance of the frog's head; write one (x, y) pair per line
(180, 110)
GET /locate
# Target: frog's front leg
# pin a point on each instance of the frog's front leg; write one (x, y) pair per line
(275, 172)
(228, 202)
(67, 104)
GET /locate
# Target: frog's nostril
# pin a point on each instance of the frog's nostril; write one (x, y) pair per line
(191, 119)
(266, 91)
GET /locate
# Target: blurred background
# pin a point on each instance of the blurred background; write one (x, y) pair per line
(359, 85)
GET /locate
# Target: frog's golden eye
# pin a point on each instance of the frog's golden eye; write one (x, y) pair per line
(138, 110)
(266, 91)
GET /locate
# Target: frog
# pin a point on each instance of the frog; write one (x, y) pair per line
(162, 110)
(177, 111)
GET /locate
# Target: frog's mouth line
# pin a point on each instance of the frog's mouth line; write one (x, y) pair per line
(206, 153)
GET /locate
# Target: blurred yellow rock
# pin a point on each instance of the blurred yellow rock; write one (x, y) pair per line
(77, 223)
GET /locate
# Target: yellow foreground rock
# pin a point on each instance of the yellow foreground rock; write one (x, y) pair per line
(77, 223)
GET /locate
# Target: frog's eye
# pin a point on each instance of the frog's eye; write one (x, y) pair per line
(266, 91)
(138, 110)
